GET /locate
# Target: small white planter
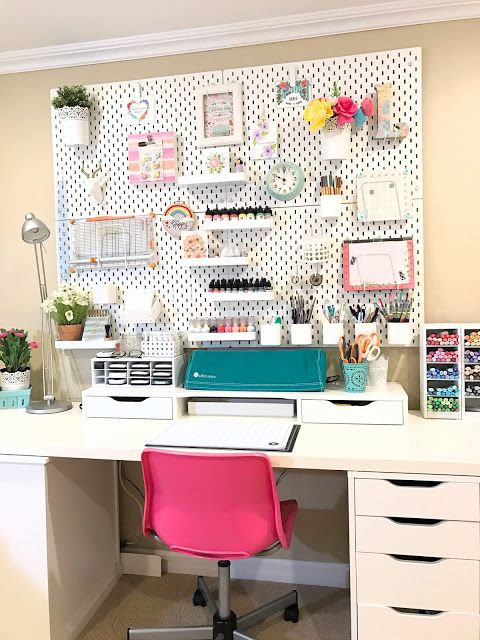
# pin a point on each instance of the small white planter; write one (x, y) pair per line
(365, 328)
(330, 206)
(332, 333)
(271, 334)
(336, 143)
(301, 334)
(75, 123)
(15, 381)
(399, 334)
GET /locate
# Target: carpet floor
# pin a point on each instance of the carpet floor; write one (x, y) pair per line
(138, 601)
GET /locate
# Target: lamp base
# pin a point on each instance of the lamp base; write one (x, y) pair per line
(52, 406)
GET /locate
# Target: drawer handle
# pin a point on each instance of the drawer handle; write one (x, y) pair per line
(128, 399)
(424, 522)
(350, 403)
(427, 484)
(418, 612)
(405, 558)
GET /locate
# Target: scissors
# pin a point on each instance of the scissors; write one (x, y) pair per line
(368, 347)
(344, 349)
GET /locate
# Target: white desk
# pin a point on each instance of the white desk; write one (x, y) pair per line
(58, 502)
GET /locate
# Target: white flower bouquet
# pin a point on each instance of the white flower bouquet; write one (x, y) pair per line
(69, 305)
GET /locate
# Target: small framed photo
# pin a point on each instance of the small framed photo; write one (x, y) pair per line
(219, 115)
(216, 161)
(194, 244)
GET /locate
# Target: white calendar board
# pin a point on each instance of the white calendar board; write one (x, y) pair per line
(275, 253)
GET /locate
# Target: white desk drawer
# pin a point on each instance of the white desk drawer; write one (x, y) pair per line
(443, 500)
(375, 412)
(445, 585)
(444, 539)
(127, 407)
(379, 623)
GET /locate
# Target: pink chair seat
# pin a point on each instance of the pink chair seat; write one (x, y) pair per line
(218, 506)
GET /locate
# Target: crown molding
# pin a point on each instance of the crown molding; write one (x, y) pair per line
(396, 13)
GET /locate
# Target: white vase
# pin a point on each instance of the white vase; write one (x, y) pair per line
(75, 123)
(14, 381)
(336, 143)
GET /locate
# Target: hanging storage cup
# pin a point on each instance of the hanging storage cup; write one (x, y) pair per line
(336, 142)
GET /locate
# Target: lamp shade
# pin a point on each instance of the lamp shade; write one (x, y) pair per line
(34, 230)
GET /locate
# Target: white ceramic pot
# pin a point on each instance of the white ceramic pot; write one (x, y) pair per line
(14, 381)
(75, 123)
(336, 143)
(271, 334)
(301, 334)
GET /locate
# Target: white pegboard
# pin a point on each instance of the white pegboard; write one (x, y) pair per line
(275, 253)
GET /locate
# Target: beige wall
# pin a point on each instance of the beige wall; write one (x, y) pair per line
(451, 100)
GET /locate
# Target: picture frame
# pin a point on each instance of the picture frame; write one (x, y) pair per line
(194, 244)
(216, 161)
(219, 115)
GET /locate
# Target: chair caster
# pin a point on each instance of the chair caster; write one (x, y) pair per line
(291, 613)
(198, 599)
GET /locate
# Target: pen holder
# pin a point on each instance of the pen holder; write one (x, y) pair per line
(355, 376)
(330, 206)
(399, 334)
(365, 328)
(271, 335)
(332, 333)
(336, 143)
(301, 334)
(378, 372)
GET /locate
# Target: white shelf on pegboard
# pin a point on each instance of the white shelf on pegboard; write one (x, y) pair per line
(206, 179)
(241, 296)
(85, 345)
(215, 262)
(237, 225)
(232, 336)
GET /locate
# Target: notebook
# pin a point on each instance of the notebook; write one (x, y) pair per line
(245, 435)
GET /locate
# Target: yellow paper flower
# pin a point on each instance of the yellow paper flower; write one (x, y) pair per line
(317, 113)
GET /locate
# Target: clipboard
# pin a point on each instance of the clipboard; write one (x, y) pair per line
(373, 265)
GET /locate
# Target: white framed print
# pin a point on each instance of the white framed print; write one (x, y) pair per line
(219, 115)
(216, 161)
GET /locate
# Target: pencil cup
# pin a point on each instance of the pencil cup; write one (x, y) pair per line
(355, 376)
(330, 206)
(378, 372)
(271, 334)
(333, 332)
(336, 143)
(301, 334)
(365, 328)
(399, 334)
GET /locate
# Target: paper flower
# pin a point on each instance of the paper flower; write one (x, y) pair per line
(345, 110)
(33, 344)
(317, 113)
(367, 107)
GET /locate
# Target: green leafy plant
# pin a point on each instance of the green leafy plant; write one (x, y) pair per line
(71, 96)
(15, 349)
(68, 305)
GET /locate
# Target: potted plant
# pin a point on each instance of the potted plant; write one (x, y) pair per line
(15, 352)
(334, 117)
(73, 105)
(68, 307)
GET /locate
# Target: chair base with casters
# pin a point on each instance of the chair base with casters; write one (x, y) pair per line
(225, 623)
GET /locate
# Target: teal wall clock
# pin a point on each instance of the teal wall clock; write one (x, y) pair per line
(285, 180)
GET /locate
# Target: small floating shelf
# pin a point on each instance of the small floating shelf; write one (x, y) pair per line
(222, 337)
(205, 178)
(214, 262)
(93, 345)
(241, 296)
(232, 225)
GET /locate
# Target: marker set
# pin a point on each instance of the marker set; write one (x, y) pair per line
(235, 213)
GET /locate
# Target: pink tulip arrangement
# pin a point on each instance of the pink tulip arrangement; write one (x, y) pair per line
(15, 349)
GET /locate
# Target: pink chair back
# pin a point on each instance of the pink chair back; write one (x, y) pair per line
(219, 506)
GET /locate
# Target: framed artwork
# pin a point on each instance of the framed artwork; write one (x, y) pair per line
(264, 140)
(384, 196)
(194, 244)
(371, 265)
(216, 161)
(139, 110)
(151, 157)
(219, 115)
(292, 93)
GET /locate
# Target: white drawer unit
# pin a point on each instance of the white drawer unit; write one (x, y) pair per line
(441, 585)
(389, 412)
(415, 498)
(380, 623)
(418, 537)
(96, 406)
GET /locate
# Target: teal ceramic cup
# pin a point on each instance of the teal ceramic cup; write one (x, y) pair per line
(355, 376)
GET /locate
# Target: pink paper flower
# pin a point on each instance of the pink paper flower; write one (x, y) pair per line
(20, 334)
(33, 344)
(345, 110)
(3, 335)
(367, 107)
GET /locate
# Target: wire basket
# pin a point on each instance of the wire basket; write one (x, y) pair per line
(112, 241)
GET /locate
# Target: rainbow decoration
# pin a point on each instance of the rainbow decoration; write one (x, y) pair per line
(178, 217)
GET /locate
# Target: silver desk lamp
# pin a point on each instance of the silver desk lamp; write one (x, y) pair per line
(35, 232)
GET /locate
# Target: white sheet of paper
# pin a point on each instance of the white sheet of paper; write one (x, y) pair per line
(229, 434)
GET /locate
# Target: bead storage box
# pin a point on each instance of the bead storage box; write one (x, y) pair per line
(471, 367)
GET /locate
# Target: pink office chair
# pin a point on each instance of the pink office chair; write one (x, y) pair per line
(222, 507)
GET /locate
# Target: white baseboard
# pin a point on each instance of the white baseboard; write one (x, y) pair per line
(86, 613)
(323, 574)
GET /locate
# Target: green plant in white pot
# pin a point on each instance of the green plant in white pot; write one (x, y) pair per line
(69, 307)
(15, 353)
(73, 105)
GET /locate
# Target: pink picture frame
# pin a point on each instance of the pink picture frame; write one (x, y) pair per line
(152, 157)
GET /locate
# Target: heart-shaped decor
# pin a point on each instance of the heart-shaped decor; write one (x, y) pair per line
(138, 109)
